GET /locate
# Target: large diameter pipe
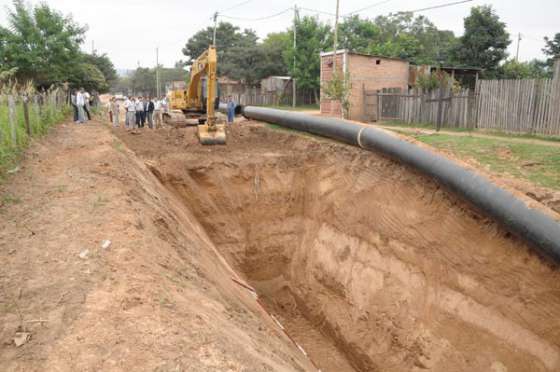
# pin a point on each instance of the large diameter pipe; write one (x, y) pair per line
(536, 227)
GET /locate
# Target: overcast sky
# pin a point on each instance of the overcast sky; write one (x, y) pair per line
(130, 30)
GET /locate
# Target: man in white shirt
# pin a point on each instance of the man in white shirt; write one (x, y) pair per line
(126, 105)
(139, 112)
(158, 117)
(86, 104)
(80, 102)
(131, 114)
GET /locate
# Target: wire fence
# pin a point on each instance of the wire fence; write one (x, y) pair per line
(24, 114)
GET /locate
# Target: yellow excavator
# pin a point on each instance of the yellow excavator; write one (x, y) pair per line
(200, 100)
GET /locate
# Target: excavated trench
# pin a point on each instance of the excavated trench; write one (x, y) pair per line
(367, 264)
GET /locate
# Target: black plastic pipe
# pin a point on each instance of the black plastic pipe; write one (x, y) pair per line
(536, 227)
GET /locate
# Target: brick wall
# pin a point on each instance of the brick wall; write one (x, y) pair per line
(330, 107)
(373, 73)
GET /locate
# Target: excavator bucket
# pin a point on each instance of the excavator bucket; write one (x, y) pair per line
(212, 135)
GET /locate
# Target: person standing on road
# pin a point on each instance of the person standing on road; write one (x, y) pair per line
(139, 112)
(74, 105)
(230, 110)
(80, 102)
(150, 107)
(157, 113)
(126, 104)
(131, 114)
(115, 109)
(86, 104)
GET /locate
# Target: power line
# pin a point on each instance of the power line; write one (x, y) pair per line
(236, 5)
(438, 6)
(317, 11)
(260, 18)
(367, 7)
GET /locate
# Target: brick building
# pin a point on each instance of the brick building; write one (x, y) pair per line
(366, 72)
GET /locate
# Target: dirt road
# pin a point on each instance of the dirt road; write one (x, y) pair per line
(367, 264)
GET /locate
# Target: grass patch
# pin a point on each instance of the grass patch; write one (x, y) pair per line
(7, 199)
(541, 137)
(538, 163)
(40, 119)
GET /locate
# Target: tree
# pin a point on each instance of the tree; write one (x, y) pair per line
(104, 64)
(339, 89)
(244, 63)
(358, 35)
(89, 77)
(143, 80)
(41, 43)
(484, 42)
(534, 69)
(227, 36)
(313, 37)
(398, 35)
(274, 48)
(552, 48)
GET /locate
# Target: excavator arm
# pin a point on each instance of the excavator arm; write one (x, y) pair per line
(193, 100)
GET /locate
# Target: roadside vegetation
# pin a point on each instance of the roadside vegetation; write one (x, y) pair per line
(538, 163)
(44, 111)
(400, 126)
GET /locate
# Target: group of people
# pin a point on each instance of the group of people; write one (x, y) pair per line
(81, 103)
(139, 111)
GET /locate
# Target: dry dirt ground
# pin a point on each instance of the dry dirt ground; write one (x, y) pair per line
(368, 265)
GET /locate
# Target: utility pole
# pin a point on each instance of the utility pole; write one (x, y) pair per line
(294, 91)
(215, 26)
(518, 42)
(335, 35)
(157, 72)
(92, 47)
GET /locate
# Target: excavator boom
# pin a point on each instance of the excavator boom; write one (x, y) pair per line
(202, 102)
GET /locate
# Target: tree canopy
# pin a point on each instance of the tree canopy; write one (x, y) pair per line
(313, 37)
(552, 48)
(43, 46)
(485, 41)
(143, 80)
(398, 35)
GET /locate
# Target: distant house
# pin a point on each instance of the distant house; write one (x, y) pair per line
(230, 87)
(366, 72)
(466, 76)
(280, 85)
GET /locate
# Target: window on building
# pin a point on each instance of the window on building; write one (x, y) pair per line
(378, 62)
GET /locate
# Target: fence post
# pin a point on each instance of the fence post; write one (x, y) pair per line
(12, 118)
(26, 115)
(439, 110)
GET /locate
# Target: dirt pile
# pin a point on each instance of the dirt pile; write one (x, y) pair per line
(369, 265)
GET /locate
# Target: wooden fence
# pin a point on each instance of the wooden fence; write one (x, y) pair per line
(523, 106)
(441, 107)
(271, 99)
(26, 114)
(519, 106)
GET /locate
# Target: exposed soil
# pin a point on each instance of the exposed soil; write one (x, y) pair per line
(368, 265)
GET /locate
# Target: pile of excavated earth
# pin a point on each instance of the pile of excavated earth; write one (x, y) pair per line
(278, 252)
